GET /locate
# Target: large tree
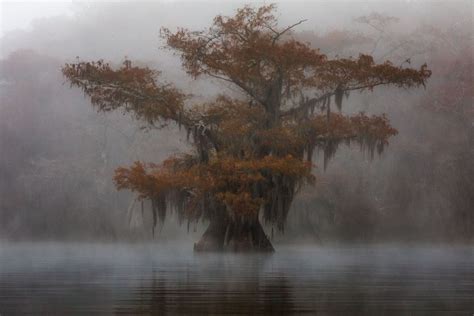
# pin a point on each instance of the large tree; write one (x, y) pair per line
(252, 152)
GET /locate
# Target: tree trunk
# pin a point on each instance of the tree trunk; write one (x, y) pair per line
(234, 235)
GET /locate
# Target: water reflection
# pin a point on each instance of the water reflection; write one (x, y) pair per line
(226, 296)
(62, 279)
(213, 284)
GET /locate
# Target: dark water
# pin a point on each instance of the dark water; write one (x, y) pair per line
(93, 279)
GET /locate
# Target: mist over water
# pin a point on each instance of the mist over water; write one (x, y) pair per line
(169, 279)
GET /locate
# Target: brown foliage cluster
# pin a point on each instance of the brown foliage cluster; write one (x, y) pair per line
(130, 88)
(250, 51)
(240, 186)
(252, 153)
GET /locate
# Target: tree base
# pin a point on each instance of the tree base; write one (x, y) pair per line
(234, 236)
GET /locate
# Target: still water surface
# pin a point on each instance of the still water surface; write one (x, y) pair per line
(108, 279)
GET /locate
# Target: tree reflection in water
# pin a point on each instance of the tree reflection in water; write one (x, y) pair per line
(216, 289)
(167, 297)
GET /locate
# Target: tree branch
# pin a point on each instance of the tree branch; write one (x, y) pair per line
(313, 101)
(306, 105)
(279, 34)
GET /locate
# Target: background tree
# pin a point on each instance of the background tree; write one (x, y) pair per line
(252, 152)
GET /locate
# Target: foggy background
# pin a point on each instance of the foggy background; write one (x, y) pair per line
(57, 155)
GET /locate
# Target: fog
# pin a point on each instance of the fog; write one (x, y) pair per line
(58, 155)
(390, 234)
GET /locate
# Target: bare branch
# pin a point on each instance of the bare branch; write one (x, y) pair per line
(279, 34)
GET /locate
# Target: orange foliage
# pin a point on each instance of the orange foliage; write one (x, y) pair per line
(250, 51)
(237, 183)
(133, 89)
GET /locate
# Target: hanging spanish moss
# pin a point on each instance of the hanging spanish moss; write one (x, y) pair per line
(338, 94)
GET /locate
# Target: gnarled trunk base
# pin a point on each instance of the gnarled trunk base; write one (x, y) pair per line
(235, 236)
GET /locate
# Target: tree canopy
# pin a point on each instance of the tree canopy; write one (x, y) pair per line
(253, 152)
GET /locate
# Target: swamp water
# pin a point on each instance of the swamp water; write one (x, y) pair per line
(154, 279)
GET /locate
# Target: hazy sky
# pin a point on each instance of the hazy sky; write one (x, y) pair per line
(20, 14)
(321, 14)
